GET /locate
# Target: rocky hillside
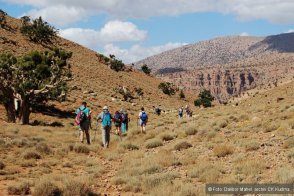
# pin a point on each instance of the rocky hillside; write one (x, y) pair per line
(93, 81)
(227, 66)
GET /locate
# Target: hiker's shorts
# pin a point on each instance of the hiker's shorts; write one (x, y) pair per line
(143, 123)
(84, 126)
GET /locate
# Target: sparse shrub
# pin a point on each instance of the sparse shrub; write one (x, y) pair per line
(252, 145)
(205, 99)
(43, 148)
(166, 137)
(182, 95)
(222, 123)
(211, 134)
(39, 31)
(205, 171)
(167, 88)
(285, 175)
(249, 167)
(76, 187)
(153, 143)
(191, 130)
(2, 165)
(130, 146)
(81, 149)
(156, 179)
(67, 164)
(119, 181)
(289, 143)
(269, 127)
(30, 163)
(71, 147)
(45, 188)
(182, 145)
(223, 150)
(31, 155)
(19, 189)
(146, 69)
(291, 155)
(115, 64)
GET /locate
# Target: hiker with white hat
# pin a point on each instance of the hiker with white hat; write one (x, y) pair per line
(105, 118)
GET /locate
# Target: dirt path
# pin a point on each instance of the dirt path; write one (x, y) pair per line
(103, 184)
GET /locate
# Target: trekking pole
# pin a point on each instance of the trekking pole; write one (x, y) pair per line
(96, 131)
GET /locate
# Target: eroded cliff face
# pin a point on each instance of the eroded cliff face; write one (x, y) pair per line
(226, 83)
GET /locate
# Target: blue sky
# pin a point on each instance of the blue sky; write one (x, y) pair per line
(135, 29)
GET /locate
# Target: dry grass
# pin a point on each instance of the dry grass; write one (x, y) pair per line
(153, 143)
(80, 148)
(2, 165)
(30, 154)
(223, 150)
(182, 145)
(19, 189)
(289, 143)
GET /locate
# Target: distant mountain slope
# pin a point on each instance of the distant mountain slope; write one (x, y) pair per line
(219, 51)
(227, 66)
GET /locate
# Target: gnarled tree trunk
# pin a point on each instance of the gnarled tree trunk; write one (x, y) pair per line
(9, 105)
(24, 112)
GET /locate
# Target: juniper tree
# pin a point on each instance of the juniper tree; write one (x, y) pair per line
(34, 79)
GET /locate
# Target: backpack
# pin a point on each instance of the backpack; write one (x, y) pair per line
(81, 117)
(106, 120)
(144, 117)
(117, 118)
(125, 117)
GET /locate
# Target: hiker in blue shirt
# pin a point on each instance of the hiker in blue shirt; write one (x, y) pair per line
(83, 120)
(105, 118)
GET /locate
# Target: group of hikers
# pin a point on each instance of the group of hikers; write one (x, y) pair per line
(120, 119)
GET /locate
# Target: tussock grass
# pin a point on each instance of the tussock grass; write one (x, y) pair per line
(205, 172)
(46, 187)
(19, 189)
(249, 167)
(80, 148)
(28, 163)
(182, 145)
(289, 143)
(291, 155)
(223, 150)
(167, 136)
(251, 145)
(192, 130)
(76, 187)
(153, 143)
(43, 148)
(130, 146)
(285, 175)
(30, 154)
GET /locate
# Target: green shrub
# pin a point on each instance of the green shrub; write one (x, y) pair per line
(205, 99)
(167, 88)
(153, 143)
(182, 146)
(19, 189)
(146, 69)
(39, 31)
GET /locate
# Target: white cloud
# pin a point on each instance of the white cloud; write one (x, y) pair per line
(290, 31)
(244, 34)
(277, 11)
(59, 15)
(113, 31)
(138, 52)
